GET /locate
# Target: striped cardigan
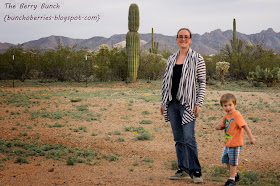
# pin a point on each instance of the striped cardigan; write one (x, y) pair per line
(189, 94)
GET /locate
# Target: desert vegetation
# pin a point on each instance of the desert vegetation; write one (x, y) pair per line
(58, 131)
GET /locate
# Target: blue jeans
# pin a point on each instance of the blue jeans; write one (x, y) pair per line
(184, 137)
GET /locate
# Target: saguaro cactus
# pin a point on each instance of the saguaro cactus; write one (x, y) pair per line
(234, 41)
(154, 48)
(133, 42)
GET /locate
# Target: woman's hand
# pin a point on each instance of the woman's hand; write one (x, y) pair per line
(161, 109)
(197, 110)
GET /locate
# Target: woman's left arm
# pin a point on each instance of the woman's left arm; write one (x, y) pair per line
(201, 80)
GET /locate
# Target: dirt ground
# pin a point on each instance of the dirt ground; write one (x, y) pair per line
(131, 168)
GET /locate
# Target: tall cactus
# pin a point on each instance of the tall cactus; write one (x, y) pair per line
(133, 42)
(154, 48)
(234, 37)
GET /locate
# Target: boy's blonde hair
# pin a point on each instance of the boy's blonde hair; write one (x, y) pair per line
(227, 97)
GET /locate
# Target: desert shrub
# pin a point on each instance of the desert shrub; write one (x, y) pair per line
(267, 76)
(222, 69)
(21, 160)
(151, 66)
(144, 136)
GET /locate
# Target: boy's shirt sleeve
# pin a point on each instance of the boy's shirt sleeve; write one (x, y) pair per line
(240, 121)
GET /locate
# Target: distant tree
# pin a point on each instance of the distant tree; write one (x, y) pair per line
(5, 67)
(151, 66)
(19, 62)
(222, 69)
(78, 65)
(46, 65)
(118, 64)
(102, 62)
(210, 62)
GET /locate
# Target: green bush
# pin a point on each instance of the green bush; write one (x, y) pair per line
(267, 76)
(21, 160)
(151, 66)
(70, 161)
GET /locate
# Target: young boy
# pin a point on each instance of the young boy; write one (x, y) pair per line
(233, 123)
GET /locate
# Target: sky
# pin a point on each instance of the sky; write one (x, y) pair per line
(105, 18)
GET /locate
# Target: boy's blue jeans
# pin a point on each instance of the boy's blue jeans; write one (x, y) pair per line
(184, 137)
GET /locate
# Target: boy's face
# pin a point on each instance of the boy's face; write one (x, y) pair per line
(229, 107)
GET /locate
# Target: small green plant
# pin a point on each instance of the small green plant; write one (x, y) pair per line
(135, 163)
(82, 107)
(144, 136)
(125, 117)
(174, 165)
(145, 112)
(120, 140)
(21, 160)
(217, 172)
(148, 160)
(76, 100)
(117, 132)
(83, 128)
(70, 161)
(24, 134)
(93, 134)
(55, 125)
(249, 177)
(146, 122)
(112, 157)
(107, 138)
(254, 119)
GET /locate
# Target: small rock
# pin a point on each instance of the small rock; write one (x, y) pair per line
(51, 170)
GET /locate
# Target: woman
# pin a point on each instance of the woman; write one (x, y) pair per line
(183, 92)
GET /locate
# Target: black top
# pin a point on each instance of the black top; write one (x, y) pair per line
(177, 70)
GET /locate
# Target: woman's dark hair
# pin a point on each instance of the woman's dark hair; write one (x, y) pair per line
(185, 29)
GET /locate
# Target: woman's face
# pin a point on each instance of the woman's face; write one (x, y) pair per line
(183, 39)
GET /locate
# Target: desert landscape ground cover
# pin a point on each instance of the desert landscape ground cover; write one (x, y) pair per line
(112, 134)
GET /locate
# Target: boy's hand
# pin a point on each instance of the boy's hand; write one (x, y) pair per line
(253, 141)
(251, 137)
(219, 127)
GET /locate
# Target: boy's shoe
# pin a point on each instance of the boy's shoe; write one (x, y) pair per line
(197, 179)
(237, 177)
(180, 175)
(230, 183)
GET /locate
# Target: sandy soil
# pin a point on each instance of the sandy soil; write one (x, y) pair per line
(115, 114)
